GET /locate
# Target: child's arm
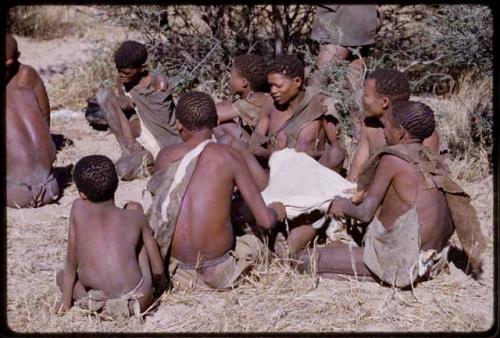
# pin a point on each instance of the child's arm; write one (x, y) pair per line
(260, 131)
(225, 111)
(152, 249)
(365, 211)
(155, 260)
(361, 155)
(69, 276)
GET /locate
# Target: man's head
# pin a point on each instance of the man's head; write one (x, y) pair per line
(11, 56)
(286, 78)
(195, 111)
(382, 88)
(130, 61)
(95, 178)
(410, 120)
(248, 73)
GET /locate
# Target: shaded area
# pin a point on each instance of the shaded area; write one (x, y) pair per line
(64, 178)
(61, 141)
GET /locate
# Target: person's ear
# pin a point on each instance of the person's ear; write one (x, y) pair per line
(83, 196)
(178, 126)
(402, 133)
(386, 102)
(297, 82)
(244, 83)
(9, 62)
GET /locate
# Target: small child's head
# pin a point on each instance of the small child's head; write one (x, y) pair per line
(130, 61)
(95, 177)
(195, 111)
(412, 118)
(286, 78)
(248, 73)
(382, 88)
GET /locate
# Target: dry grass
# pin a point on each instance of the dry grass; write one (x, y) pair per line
(46, 22)
(273, 298)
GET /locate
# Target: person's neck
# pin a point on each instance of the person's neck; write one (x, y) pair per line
(196, 137)
(142, 83)
(104, 204)
(294, 103)
(246, 93)
(410, 142)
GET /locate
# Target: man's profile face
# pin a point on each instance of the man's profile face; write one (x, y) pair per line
(283, 88)
(130, 76)
(372, 100)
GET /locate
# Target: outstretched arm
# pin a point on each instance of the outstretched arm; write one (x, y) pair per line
(365, 211)
(265, 217)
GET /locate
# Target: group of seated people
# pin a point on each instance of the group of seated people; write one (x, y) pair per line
(207, 221)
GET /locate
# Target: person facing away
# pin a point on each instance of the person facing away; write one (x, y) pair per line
(29, 147)
(110, 249)
(298, 117)
(139, 111)
(204, 252)
(247, 79)
(24, 76)
(382, 88)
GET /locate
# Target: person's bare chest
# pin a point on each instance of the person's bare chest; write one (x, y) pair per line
(277, 120)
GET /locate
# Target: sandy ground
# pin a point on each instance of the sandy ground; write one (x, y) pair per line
(273, 298)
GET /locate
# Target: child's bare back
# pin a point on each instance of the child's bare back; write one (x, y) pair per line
(109, 249)
(108, 240)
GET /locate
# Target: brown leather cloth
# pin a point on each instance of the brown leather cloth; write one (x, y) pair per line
(346, 25)
(394, 255)
(220, 273)
(114, 308)
(156, 111)
(463, 214)
(48, 188)
(168, 187)
(313, 106)
(249, 110)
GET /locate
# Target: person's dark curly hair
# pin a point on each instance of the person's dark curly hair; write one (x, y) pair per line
(391, 83)
(415, 117)
(288, 65)
(196, 111)
(96, 177)
(130, 54)
(253, 68)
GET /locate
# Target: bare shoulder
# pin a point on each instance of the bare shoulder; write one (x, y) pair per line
(392, 164)
(170, 154)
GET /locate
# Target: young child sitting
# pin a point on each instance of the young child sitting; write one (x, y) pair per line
(109, 249)
(418, 206)
(248, 80)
